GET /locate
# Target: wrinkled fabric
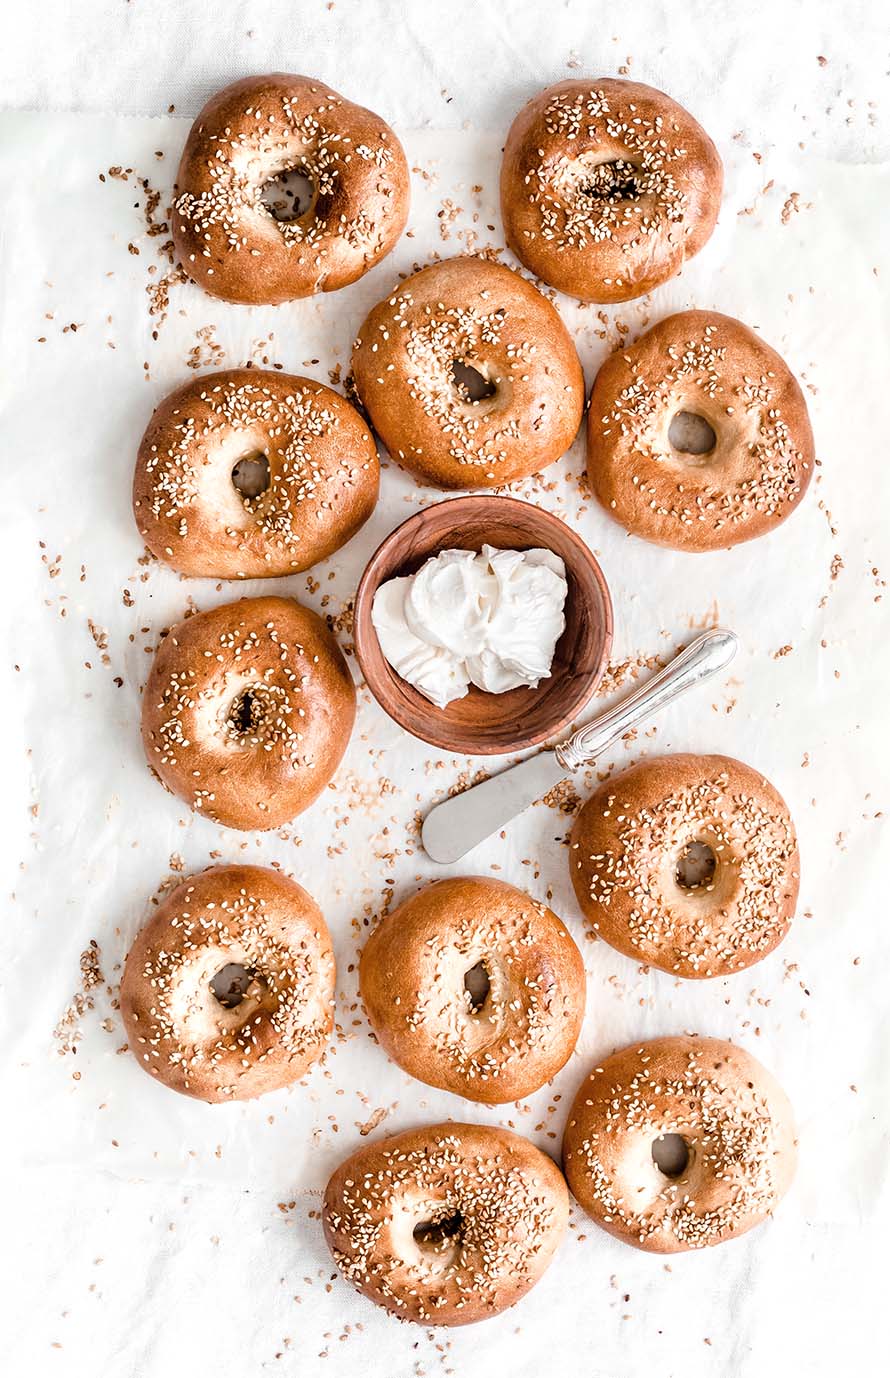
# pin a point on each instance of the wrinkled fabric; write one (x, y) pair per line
(163, 1236)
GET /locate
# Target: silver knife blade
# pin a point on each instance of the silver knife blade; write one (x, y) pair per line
(459, 824)
(454, 827)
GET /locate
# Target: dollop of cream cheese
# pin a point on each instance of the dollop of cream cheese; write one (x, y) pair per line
(491, 619)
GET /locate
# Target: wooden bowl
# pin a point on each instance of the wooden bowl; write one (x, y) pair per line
(480, 723)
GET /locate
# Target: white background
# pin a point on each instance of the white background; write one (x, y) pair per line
(150, 1235)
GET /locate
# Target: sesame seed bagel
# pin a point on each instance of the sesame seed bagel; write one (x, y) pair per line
(473, 986)
(483, 317)
(761, 460)
(320, 464)
(249, 134)
(738, 1143)
(688, 863)
(228, 991)
(446, 1225)
(607, 188)
(247, 711)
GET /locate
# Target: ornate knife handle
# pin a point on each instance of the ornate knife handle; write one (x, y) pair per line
(707, 655)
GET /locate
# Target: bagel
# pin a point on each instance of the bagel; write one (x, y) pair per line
(321, 475)
(474, 987)
(688, 863)
(759, 455)
(228, 991)
(720, 1116)
(247, 711)
(607, 188)
(446, 1225)
(469, 376)
(248, 135)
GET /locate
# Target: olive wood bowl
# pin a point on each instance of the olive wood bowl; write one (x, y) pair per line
(481, 723)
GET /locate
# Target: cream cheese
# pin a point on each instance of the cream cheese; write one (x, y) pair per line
(491, 619)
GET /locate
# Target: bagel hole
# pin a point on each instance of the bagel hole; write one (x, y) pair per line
(250, 476)
(477, 984)
(696, 866)
(613, 181)
(691, 434)
(230, 984)
(670, 1154)
(288, 196)
(434, 1236)
(471, 385)
(245, 713)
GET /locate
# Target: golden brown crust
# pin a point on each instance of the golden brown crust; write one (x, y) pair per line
(485, 316)
(412, 983)
(736, 1123)
(712, 366)
(628, 841)
(246, 136)
(247, 711)
(607, 187)
(501, 1208)
(322, 467)
(268, 938)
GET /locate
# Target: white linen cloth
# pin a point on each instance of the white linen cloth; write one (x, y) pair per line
(155, 1235)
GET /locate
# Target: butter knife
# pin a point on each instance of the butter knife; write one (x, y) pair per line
(460, 823)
